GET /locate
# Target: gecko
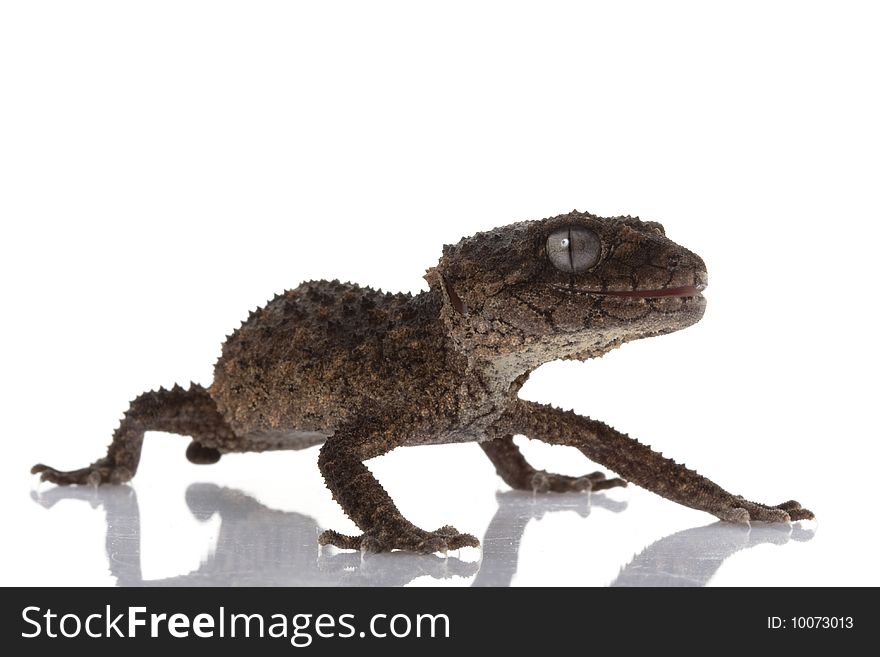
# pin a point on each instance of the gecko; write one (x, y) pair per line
(362, 372)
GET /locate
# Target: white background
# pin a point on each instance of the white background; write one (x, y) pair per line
(167, 166)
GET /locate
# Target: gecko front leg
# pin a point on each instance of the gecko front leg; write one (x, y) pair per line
(640, 464)
(364, 500)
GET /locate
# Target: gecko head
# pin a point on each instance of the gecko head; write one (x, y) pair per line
(571, 286)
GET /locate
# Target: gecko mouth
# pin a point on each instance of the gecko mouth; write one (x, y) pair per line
(683, 291)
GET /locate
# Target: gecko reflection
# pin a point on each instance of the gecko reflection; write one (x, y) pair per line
(515, 510)
(260, 546)
(692, 556)
(256, 545)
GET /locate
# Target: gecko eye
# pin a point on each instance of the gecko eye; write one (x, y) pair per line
(573, 249)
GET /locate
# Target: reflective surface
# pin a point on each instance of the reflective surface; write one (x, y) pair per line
(260, 546)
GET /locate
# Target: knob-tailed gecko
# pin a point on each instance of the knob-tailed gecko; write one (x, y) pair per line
(362, 372)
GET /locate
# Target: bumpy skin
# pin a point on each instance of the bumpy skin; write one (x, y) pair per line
(364, 372)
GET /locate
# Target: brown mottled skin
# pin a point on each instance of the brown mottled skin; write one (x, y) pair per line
(364, 372)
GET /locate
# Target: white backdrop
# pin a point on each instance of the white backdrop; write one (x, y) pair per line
(167, 166)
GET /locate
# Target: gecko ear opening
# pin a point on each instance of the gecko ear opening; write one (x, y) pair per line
(455, 300)
(435, 277)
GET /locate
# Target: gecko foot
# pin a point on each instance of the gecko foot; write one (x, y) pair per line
(408, 539)
(543, 482)
(100, 472)
(743, 511)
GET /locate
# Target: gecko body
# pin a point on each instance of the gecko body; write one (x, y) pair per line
(361, 372)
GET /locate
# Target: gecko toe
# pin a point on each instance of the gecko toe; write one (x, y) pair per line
(455, 539)
(100, 472)
(60, 477)
(743, 511)
(795, 511)
(342, 541)
(431, 545)
(605, 484)
(790, 511)
(582, 484)
(771, 514)
(738, 515)
(463, 540)
(544, 482)
(801, 514)
(540, 482)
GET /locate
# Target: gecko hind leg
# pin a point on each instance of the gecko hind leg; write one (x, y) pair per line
(191, 412)
(519, 474)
